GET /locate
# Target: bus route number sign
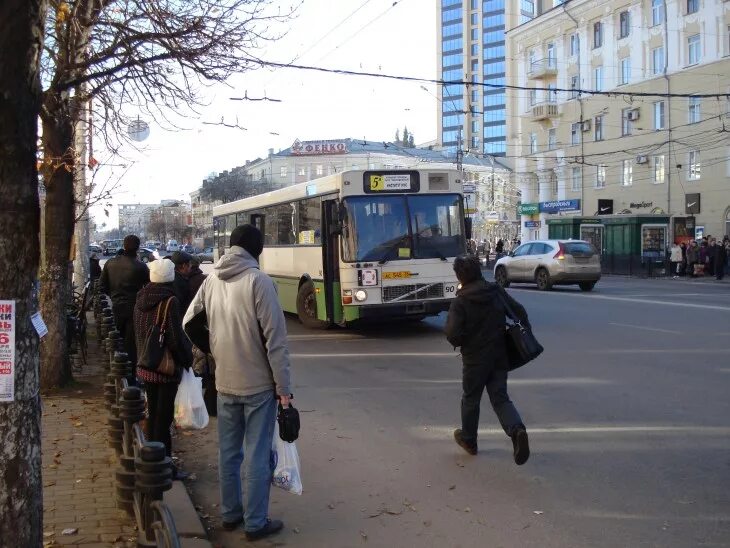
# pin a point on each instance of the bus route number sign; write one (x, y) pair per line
(404, 181)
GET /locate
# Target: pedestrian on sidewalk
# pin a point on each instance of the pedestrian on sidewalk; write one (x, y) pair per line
(693, 258)
(203, 362)
(152, 301)
(720, 261)
(675, 258)
(122, 278)
(683, 266)
(181, 285)
(248, 341)
(476, 323)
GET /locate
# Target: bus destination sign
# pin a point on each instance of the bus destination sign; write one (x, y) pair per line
(391, 182)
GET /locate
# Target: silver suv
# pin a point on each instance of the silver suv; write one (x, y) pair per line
(551, 262)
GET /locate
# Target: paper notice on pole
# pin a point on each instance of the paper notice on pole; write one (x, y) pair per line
(7, 351)
(39, 324)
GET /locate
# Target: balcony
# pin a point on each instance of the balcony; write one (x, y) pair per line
(543, 68)
(544, 111)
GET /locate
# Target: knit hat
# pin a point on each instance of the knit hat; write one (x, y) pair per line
(249, 238)
(180, 258)
(162, 272)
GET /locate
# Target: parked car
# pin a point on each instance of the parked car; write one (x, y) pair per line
(205, 256)
(147, 255)
(152, 244)
(112, 247)
(551, 262)
(93, 248)
(172, 246)
(187, 248)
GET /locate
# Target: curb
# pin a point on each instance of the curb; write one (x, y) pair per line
(190, 529)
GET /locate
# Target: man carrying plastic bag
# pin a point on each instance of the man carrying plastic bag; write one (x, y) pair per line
(287, 471)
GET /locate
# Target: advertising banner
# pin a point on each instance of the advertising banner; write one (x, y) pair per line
(528, 209)
(559, 206)
(7, 350)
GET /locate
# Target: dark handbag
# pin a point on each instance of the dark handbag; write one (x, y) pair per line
(288, 420)
(522, 346)
(155, 355)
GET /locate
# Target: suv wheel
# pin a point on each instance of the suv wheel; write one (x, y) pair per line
(542, 277)
(500, 276)
(586, 286)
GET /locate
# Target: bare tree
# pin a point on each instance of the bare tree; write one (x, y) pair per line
(21, 41)
(135, 58)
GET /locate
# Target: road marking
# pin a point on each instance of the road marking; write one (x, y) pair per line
(724, 370)
(645, 328)
(635, 301)
(619, 515)
(522, 382)
(380, 355)
(658, 351)
(438, 431)
(333, 336)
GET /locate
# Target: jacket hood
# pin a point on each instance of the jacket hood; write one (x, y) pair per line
(152, 294)
(479, 291)
(234, 262)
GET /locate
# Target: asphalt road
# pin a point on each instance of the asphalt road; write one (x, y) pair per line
(627, 410)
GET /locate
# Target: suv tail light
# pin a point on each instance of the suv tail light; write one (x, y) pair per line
(560, 255)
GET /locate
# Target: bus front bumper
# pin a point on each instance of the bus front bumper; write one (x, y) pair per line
(404, 310)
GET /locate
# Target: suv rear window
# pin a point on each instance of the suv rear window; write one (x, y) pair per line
(581, 249)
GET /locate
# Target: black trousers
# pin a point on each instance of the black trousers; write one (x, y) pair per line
(161, 407)
(494, 378)
(124, 320)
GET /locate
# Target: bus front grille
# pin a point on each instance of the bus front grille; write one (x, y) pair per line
(412, 292)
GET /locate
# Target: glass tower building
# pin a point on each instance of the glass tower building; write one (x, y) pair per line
(472, 50)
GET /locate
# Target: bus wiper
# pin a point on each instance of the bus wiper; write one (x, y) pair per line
(439, 254)
(392, 247)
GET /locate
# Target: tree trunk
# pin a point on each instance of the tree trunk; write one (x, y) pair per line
(58, 149)
(21, 40)
(81, 232)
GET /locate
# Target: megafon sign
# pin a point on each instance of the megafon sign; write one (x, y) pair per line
(313, 148)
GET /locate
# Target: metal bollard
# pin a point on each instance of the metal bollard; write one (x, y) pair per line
(131, 411)
(113, 343)
(153, 476)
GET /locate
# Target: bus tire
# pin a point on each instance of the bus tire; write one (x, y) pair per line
(307, 307)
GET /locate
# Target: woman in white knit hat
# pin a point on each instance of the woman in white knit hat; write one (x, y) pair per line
(156, 302)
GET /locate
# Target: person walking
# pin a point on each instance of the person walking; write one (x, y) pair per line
(675, 258)
(248, 341)
(122, 278)
(157, 301)
(693, 257)
(720, 260)
(476, 323)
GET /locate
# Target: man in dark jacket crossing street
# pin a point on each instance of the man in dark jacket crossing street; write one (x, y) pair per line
(476, 323)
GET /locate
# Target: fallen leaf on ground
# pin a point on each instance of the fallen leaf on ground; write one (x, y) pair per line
(467, 509)
(47, 534)
(49, 484)
(427, 523)
(296, 530)
(363, 535)
(77, 424)
(68, 532)
(94, 476)
(452, 487)
(538, 512)
(331, 506)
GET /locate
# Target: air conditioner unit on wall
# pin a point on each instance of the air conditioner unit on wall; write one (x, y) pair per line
(642, 159)
(634, 114)
(586, 125)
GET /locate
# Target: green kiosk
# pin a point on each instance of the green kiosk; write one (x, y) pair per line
(630, 244)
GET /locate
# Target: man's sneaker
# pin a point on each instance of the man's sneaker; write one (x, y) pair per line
(232, 525)
(470, 448)
(521, 446)
(272, 527)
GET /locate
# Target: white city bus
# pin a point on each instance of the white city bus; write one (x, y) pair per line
(357, 244)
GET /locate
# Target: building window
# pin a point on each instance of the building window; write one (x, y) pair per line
(624, 22)
(575, 178)
(474, 18)
(552, 139)
(694, 165)
(694, 110)
(625, 70)
(600, 176)
(574, 44)
(302, 171)
(283, 171)
(475, 34)
(552, 95)
(598, 78)
(626, 124)
(659, 169)
(475, 49)
(597, 35)
(598, 128)
(693, 6)
(533, 97)
(657, 12)
(574, 86)
(575, 133)
(551, 55)
(533, 143)
(657, 60)
(659, 115)
(320, 169)
(627, 173)
(694, 54)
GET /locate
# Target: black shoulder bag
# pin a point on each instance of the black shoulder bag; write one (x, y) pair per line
(522, 346)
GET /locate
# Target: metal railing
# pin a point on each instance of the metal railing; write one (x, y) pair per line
(145, 471)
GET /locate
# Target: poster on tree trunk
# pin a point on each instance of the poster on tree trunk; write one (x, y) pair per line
(7, 351)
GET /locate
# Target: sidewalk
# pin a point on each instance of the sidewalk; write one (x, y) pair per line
(78, 464)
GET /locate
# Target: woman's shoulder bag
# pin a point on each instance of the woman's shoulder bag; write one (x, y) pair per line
(155, 355)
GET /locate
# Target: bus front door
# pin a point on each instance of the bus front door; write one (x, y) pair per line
(331, 260)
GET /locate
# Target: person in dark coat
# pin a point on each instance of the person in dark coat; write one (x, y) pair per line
(195, 276)
(182, 262)
(476, 323)
(720, 260)
(203, 364)
(122, 278)
(161, 389)
(94, 267)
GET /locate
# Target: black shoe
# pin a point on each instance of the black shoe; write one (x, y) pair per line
(470, 448)
(272, 527)
(521, 446)
(232, 525)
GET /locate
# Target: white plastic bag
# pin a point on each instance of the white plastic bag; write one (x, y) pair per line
(287, 475)
(190, 411)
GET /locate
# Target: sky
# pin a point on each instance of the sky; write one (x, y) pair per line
(381, 36)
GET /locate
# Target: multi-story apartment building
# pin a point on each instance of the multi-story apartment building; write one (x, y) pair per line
(621, 107)
(134, 218)
(202, 218)
(471, 49)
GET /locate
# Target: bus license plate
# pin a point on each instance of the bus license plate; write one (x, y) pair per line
(396, 275)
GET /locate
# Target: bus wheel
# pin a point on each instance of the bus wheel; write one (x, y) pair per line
(307, 307)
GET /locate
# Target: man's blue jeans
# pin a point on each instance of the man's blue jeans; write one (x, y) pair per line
(245, 432)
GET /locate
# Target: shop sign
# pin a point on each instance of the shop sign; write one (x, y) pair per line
(692, 204)
(313, 148)
(528, 209)
(532, 224)
(605, 207)
(641, 205)
(559, 206)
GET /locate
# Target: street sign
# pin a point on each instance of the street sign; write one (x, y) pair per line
(528, 209)
(532, 224)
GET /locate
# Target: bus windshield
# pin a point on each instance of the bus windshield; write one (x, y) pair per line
(389, 228)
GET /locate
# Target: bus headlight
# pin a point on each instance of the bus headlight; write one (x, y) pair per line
(361, 295)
